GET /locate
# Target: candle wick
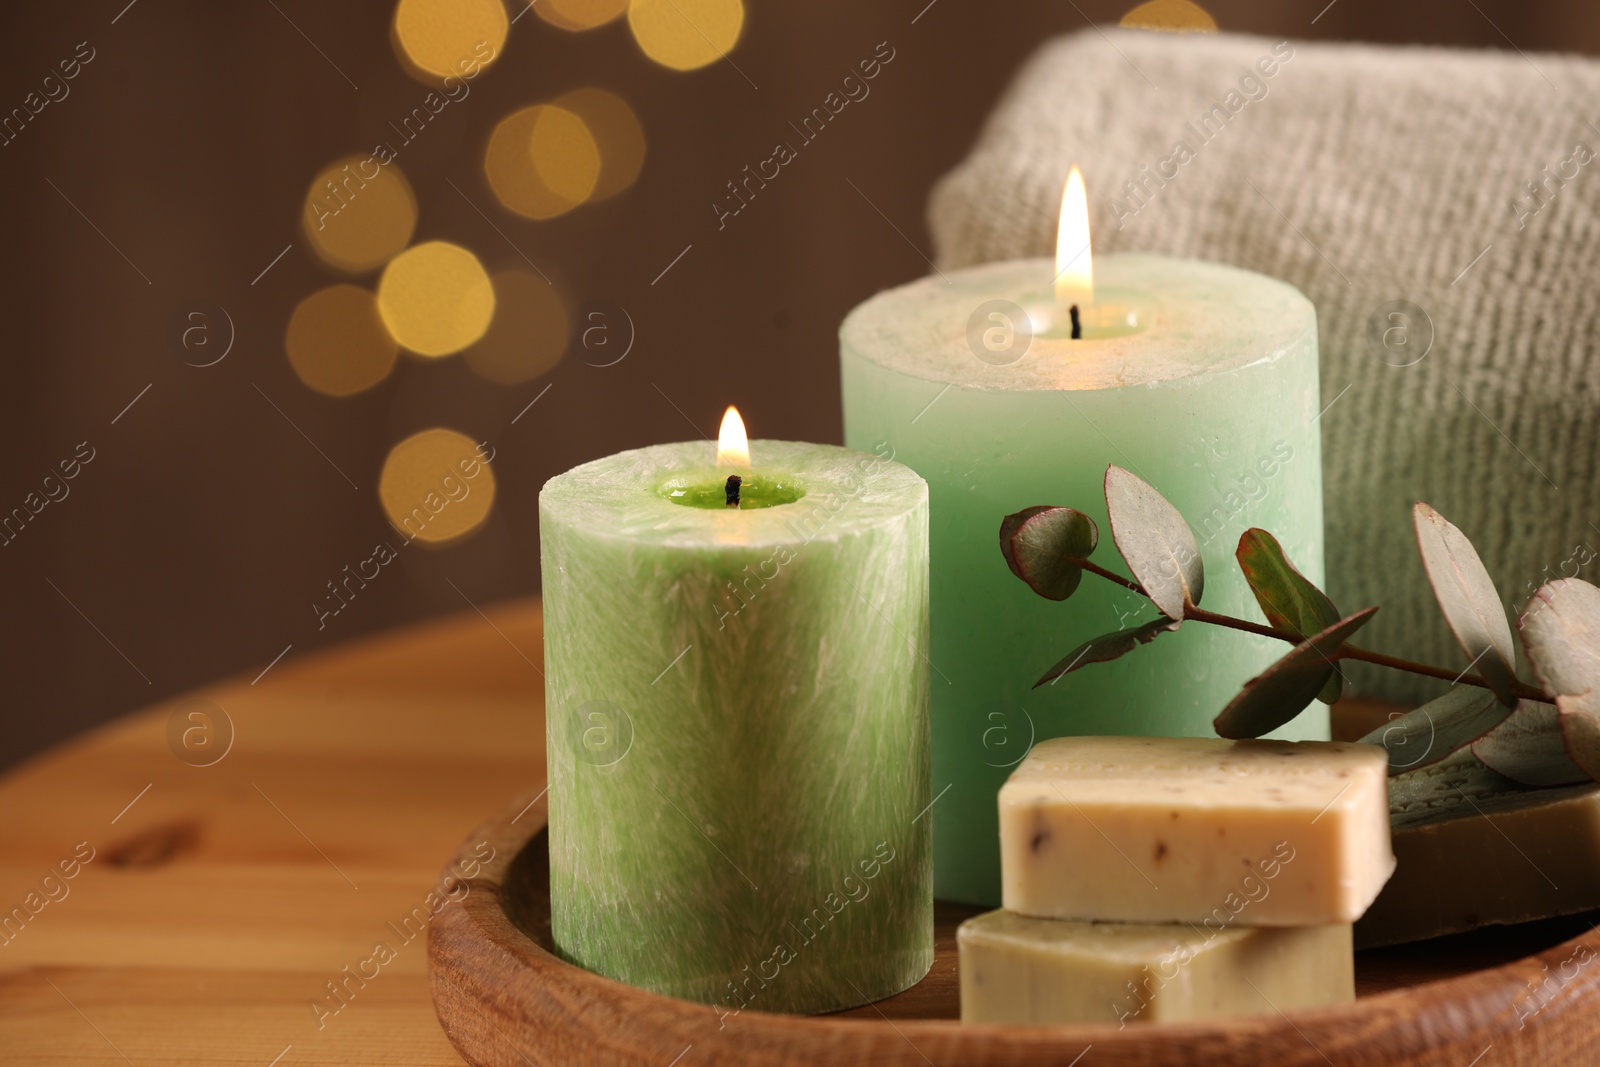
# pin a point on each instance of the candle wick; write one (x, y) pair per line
(732, 489)
(1077, 323)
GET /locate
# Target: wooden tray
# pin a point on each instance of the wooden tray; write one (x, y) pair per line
(1492, 998)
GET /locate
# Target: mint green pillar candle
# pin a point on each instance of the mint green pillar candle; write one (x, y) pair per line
(738, 735)
(1203, 381)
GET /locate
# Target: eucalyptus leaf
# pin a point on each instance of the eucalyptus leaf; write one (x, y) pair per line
(1042, 545)
(1528, 748)
(1288, 598)
(1439, 728)
(1009, 526)
(1461, 787)
(1155, 541)
(1561, 629)
(1580, 731)
(1282, 691)
(1468, 598)
(1108, 647)
(1331, 689)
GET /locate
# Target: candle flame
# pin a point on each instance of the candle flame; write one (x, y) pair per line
(1074, 263)
(733, 445)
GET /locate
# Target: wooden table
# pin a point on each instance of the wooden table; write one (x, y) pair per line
(222, 899)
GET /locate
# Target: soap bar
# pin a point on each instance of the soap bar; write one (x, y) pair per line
(1017, 969)
(1477, 849)
(1206, 831)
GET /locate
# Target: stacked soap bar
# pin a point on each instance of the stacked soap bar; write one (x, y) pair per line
(1017, 969)
(1178, 878)
(1163, 829)
(1476, 849)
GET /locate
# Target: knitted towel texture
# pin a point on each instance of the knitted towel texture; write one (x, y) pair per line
(1463, 184)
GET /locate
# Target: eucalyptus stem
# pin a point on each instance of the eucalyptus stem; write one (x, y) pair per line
(1110, 576)
(1202, 615)
(1519, 689)
(1198, 614)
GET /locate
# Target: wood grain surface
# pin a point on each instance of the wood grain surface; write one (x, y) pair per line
(222, 900)
(220, 903)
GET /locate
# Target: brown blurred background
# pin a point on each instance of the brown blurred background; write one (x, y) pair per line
(219, 505)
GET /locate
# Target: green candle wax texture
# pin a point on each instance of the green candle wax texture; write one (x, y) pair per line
(738, 731)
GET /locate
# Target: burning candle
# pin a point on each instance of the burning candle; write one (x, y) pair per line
(1198, 377)
(736, 691)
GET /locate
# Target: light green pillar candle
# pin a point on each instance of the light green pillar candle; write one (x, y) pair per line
(1203, 382)
(738, 734)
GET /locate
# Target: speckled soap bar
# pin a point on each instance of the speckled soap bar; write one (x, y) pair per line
(1196, 830)
(1045, 972)
(1476, 849)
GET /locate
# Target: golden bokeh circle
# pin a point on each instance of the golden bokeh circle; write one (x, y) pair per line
(579, 14)
(529, 334)
(542, 161)
(436, 486)
(438, 39)
(686, 34)
(358, 213)
(436, 298)
(337, 343)
(1170, 16)
(617, 134)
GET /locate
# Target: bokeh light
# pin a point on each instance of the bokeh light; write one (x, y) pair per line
(337, 343)
(579, 14)
(437, 39)
(436, 487)
(542, 161)
(529, 334)
(436, 298)
(358, 213)
(1171, 16)
(686, 34)
(617, 135)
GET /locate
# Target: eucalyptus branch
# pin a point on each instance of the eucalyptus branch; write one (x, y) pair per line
(1355, 652)
(1048, 547)
(1196, 614)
